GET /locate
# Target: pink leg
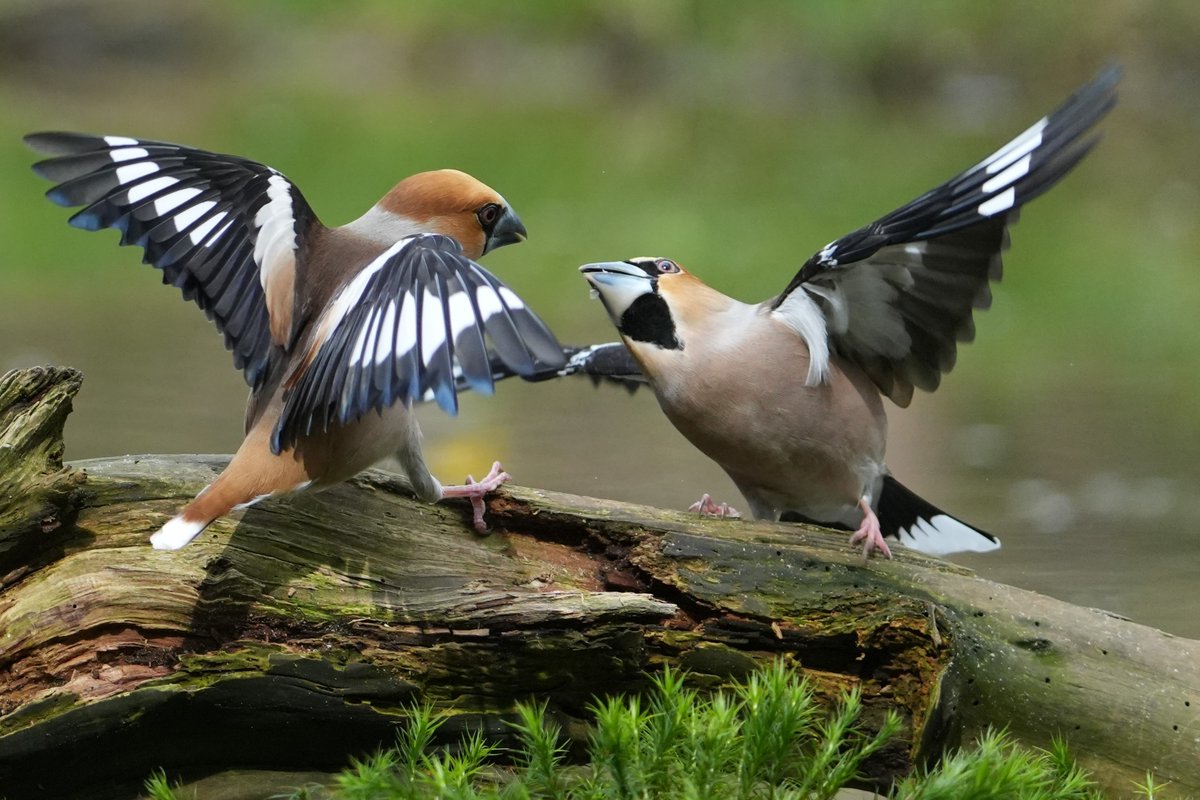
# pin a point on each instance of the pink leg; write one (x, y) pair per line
(869, 533)
(707, 507)
(476, 491)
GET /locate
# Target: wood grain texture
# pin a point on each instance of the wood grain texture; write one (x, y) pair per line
(295, 634)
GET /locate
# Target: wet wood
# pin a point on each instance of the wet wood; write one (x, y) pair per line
(297, 633)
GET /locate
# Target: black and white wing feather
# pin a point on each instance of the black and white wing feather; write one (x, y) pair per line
(609, 363)
(411, 323)
(223, 229)
(896, 296)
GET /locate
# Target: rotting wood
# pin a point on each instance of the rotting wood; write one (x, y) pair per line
(297, 633)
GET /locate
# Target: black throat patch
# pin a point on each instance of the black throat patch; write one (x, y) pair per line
(648, 319)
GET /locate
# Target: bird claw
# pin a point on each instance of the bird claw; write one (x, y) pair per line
(869, 533)
(475, 491)
(707, 507)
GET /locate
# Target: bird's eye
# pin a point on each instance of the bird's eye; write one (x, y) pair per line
(665, 265)
(488, 215)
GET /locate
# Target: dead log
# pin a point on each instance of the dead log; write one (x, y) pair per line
(296, 634)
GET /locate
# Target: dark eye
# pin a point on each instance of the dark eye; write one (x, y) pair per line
(488, 215)
(665, 265)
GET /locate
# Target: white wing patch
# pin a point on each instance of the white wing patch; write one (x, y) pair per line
(1008, 165)
(998, 204)
(129, 153)
(801, 313)
(131, 172)
(358, 351)
(276, 240)
(350, 294)
(212, 223)
(220, 232)
(1020, 146)
(372, 330)
(202, 230)
(170, 202)
(433, 326)
(186, 218)
(141, 191)
(406, 331)
(825, 256)
(385, 347)
(1013, 172)
(860, 309)
(511, 299)
(393, 331)
(275, 254)
(488, 301)
(462, 313)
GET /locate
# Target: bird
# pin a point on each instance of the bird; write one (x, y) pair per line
(338, 331)
(786, 395)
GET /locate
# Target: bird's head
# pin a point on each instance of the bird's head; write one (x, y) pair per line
(453, 203)
(650, 300)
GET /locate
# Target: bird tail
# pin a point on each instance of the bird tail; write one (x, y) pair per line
(191, 521)
(242, 484)
(214, 501)
(921, 526)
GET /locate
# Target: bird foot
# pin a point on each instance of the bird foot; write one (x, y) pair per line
(869, 533)
(707, 507)
(475, 491)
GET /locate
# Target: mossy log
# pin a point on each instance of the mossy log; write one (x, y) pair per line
(295, 634)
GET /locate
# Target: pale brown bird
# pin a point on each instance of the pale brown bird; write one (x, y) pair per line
(337, 330)
(785, 395)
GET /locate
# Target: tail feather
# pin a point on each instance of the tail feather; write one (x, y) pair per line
(921, 526)
(228, 492)
(214, 501)
(177, 532)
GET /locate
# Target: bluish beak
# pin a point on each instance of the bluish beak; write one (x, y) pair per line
(618, 284)
(612, 272)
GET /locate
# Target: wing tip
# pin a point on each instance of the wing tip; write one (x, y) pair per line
(446, 396)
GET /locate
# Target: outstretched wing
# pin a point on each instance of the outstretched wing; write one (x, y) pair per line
(609, 363)
(225, 230)
(412, 322)
(896, 296)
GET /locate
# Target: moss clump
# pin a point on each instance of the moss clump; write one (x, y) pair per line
(767, 739)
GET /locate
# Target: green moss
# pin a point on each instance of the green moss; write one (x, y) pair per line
(252, 658)
(38, 711)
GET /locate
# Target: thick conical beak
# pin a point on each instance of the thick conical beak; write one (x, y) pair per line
(618, 283)
(508, 230)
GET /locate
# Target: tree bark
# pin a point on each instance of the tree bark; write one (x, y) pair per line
(296, 634)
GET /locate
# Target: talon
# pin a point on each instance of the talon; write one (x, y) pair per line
(707, 507)
(476, 490)
(869, 533)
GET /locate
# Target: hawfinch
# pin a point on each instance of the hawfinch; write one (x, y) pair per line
(336, 330)
(785, 395)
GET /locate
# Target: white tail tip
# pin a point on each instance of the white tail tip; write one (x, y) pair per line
(176, 533)
(942, 535)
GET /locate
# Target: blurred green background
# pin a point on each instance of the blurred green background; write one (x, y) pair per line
(737, 138)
